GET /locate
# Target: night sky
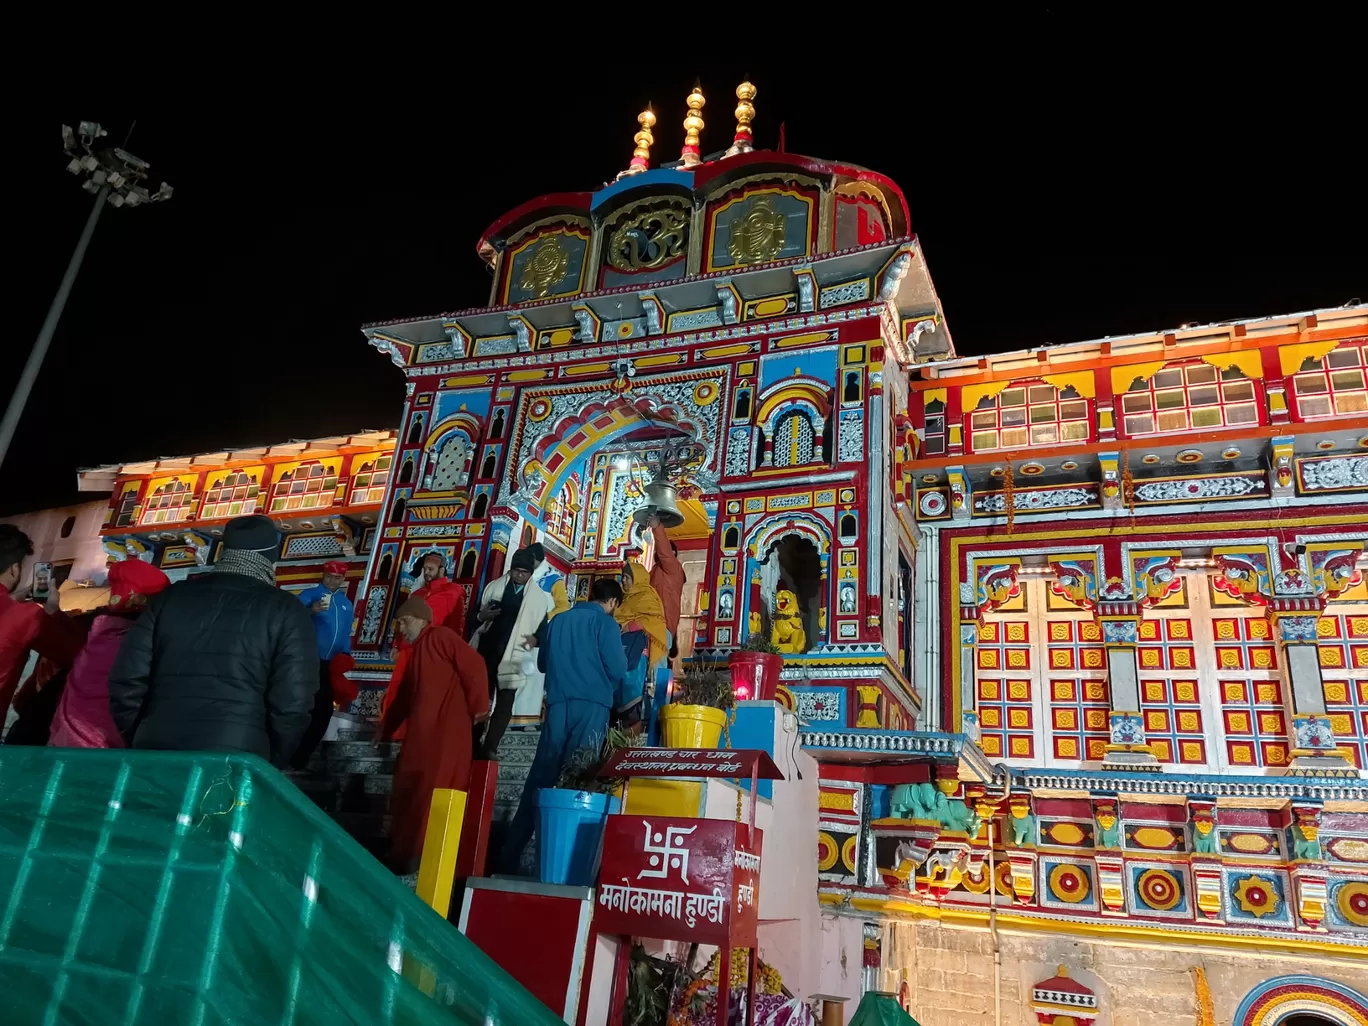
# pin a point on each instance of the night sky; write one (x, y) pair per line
(1057, 198)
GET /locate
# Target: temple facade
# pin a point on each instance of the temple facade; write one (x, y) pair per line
(1077, 636)
(1081, 643)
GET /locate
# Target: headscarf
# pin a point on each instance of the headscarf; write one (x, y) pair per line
(642, 605)
(335, 566)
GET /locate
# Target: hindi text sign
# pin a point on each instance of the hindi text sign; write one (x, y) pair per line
(679, 879)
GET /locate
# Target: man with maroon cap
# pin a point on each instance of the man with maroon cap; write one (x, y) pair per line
(332, 613)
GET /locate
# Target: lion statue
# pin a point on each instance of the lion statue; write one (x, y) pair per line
(787, 633)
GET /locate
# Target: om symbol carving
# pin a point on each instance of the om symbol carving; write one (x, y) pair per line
(650, 239)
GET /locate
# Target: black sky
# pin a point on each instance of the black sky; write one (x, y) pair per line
(1061, 192)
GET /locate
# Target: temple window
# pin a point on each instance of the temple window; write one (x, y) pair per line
(496, 431)
(169, 504)
(1334, 386)
(1031, 415)
(233, 495)
(128, 501)
(368, 484)
(933, 433)
(793, 440)
(468, 563)
(415, 434)
(487, 467)
(561, 511)
(1189, 397)
(397, 511)
(308, 486)
(452, 470)
(741, 408)
(477, 510)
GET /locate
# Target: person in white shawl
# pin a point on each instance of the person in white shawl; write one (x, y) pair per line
(511, 612)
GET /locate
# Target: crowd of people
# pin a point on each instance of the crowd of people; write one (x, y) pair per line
(226, 661)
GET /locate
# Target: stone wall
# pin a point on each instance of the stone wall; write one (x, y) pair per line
(950, 975)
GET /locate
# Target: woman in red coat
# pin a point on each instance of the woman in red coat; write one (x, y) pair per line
(442, 695)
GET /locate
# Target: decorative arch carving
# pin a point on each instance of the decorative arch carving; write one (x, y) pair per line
(1274, 1000)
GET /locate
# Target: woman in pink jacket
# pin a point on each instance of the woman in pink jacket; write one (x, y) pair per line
(83, 718)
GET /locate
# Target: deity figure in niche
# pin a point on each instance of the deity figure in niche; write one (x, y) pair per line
(796, 602)
(847, 598)
(788, 634)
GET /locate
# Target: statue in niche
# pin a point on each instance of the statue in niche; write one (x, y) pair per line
(788, 634)
(1108, 826)
(1021, 822)
(926, 801)
(791, 586)
(1204, 830)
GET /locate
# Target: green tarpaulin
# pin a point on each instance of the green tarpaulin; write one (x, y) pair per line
(165, 888)
(881, 1010)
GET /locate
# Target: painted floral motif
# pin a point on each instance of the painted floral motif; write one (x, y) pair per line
(1026, 501)
(738, 452)
(1196, 488)
(1333, 474)
(851, 442)
(815, 706)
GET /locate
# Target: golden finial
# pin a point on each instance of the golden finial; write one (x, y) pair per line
(641, 156)
(693, 124)
(745, 114)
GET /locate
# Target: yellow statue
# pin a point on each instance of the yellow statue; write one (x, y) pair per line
(753, 624)
(787, 634)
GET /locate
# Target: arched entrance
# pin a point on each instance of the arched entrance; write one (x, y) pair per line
(1302, 1001)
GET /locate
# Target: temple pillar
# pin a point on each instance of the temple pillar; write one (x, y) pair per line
(1312, 740)
(502, 523)
(1126, 748)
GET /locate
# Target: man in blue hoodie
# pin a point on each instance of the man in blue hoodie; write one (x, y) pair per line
(332, 614)
(580, 651)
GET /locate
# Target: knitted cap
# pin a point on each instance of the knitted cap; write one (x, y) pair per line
(254, 534)
(416, 608)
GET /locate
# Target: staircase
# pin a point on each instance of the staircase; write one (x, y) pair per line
(350, 778)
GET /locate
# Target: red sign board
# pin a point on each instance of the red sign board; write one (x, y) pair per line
(679, 879)
(691, 762)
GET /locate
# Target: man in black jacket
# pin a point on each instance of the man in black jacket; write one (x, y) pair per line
(222, 662)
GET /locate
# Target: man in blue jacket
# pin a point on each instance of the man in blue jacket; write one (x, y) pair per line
(580, 652)
(332, 612)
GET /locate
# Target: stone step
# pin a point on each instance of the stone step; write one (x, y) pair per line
(360, 748)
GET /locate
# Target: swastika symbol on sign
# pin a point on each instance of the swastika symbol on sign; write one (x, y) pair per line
(665, 852)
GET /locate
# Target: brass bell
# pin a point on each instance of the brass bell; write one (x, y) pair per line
(662, 501)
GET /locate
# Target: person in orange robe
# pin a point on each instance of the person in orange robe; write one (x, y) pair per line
(447, 601)
(443, 694)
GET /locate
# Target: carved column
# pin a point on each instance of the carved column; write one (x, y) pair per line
(1110, 864)
(502, 522)
(1309, 877)
(1126, 748)
(1313, 741)
(1206, 857)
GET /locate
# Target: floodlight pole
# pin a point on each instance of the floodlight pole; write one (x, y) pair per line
(35, 361)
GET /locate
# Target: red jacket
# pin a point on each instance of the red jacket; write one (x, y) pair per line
(25, 627)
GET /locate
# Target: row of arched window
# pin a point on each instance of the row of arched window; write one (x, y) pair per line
(1194, 396)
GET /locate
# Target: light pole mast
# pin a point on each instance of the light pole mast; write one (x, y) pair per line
(115, 177)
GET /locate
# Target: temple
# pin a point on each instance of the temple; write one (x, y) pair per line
(1076, 638)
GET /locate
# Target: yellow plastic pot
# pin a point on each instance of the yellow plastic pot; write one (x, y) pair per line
(691, 726)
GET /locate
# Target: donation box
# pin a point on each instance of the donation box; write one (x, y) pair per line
(694, 880)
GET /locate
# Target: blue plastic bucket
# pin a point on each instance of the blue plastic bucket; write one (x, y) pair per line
(570, 834)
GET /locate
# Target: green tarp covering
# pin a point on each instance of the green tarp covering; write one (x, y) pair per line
(881, 1010)
(187, 888)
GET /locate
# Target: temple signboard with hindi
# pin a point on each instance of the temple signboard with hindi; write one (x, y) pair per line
(695, 880)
